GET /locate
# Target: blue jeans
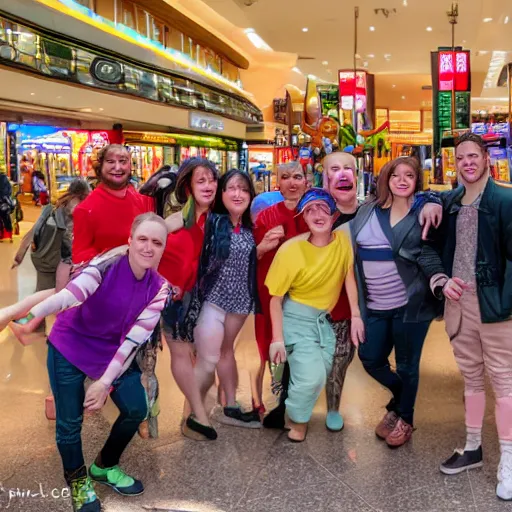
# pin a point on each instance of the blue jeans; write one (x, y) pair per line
(67, 383)
(386, 330)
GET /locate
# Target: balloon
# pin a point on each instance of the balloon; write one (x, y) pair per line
(348, 149)
(263, 201)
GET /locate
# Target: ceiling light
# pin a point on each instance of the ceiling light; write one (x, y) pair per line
(403, 97)
(404, 3)
(59, 97)
(487, 20)
(482, 52)
(256, 40)
(32, 94)
(387, 56)
(305, 29)
(325, 63)
(100, 109)
(297, 70)
(365, 64)
(370, 55)
(506, 20)
(429, 29)
(372, 29)
(393, 86)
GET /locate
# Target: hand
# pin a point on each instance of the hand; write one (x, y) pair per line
(177, 293)
(454, 288)
(431, 215)
(277, 352)
(15, 264)
(23, 328)
(357, 331)
(96, 396)
(271, 239)
(174, 222)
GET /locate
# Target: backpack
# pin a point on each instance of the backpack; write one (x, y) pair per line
(47, 241)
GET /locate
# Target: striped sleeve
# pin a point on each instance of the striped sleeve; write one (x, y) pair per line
(75, 293)
(137, 336)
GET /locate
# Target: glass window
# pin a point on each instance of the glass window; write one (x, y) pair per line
(189, 47)
(128, 15)
(173, 39)
(86, 3)
(157, 30)
(142, 21)
(212, 60)
(229, 71)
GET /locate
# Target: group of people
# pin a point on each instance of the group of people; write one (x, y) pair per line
(325, 277)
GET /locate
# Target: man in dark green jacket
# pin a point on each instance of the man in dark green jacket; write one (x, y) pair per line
(476, 248)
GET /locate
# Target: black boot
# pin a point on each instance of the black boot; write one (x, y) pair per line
(275, 418)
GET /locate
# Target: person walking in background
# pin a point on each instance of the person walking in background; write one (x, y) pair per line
(475, 241)
(395, 300)
(305, 281)
(225, 292)
(6, 207)
(91, 339)
(39, 189)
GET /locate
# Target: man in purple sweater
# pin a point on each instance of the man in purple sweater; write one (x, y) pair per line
(105, 315)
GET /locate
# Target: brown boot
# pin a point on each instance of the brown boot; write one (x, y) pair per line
(386, 425)
(400, 435)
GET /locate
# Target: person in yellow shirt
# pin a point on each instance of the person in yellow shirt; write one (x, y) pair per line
(304, 281)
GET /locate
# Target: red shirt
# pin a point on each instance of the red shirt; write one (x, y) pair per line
(103, 221)
(180, 260)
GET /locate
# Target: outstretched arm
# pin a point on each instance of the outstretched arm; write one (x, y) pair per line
(138, 335)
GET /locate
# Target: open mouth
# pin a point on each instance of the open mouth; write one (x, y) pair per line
(345, 187)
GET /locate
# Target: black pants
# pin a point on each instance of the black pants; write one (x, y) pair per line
(5, 219)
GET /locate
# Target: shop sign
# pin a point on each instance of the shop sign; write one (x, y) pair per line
(208, 123)
(151, 138)
(454, 71)
(348, 87)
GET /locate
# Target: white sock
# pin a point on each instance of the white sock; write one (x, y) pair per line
(473, 438)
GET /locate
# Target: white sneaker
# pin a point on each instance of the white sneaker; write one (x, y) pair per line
(504, 487)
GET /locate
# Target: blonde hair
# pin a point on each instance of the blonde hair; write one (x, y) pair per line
(146, 217)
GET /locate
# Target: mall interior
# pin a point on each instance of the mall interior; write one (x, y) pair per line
(248, 84)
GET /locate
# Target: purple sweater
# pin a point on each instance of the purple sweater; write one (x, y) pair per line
(112, 305)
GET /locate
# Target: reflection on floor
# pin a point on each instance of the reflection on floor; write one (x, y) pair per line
(248, 470)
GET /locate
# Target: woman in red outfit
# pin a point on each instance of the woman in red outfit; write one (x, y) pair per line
(195, 188)
(272, 227)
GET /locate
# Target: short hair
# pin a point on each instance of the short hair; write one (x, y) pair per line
(383, 192)
(147, 217)
(290, 167)
(471, 137)
(102, 155)
(185, 172)
(325, 177)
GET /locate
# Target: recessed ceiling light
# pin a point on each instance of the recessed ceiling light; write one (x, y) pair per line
(487, 20)
(296, 69)
(463, 41)
(429, 29)
(393, 86)
(403, 97)
(100, 109)
(482, 52)
(372, 29)
(387, 56)
(325, 63)
(506, 20)
(32, 94)
(305, 29)
(404, 3)
(370, 55)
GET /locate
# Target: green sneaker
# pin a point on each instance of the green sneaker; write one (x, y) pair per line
(83, 497)
(116, 478)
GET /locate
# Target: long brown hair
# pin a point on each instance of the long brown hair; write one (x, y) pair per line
(384, 196)
(78, 189)
(187, 168)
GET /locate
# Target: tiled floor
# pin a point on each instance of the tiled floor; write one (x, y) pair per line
(248, 470)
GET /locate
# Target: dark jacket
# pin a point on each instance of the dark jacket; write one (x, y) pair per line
(493, 267)
(406, 244)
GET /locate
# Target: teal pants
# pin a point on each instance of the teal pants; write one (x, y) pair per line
(310, 344)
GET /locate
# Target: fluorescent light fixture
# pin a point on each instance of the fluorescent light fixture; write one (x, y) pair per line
(487, 20)
(372, 29)
(256, 40)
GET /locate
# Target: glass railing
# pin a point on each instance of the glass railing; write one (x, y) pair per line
(49, 54)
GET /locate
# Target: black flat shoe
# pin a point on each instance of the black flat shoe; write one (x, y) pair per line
(197, 431)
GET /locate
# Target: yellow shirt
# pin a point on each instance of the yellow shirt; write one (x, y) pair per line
(311, 275)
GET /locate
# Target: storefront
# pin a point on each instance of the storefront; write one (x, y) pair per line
(152, 150)
(60, 154)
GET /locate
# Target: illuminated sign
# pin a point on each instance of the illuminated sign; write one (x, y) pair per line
(454, 71)
(349, 87)
(208, 123)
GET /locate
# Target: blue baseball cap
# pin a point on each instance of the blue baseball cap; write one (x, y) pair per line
(317, 194)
